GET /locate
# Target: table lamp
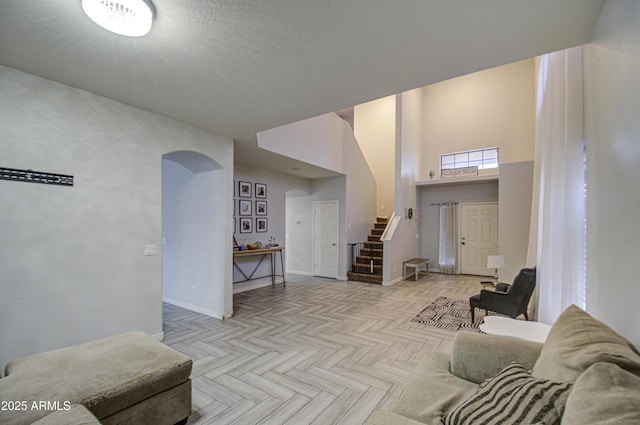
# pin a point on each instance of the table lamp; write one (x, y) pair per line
(495, 262)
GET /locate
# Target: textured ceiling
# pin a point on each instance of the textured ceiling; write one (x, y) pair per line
(238, 67)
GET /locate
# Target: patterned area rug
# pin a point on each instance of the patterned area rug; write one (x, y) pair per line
(449, 313)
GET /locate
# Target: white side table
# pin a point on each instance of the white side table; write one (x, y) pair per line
(532, 331)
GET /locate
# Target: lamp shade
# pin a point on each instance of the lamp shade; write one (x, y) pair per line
(495, 262)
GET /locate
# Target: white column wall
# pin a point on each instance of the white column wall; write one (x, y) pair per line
(72, 263)
(612, 106)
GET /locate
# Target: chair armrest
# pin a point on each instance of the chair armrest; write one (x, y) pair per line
(492, 299)
(476, 357)
(502, 287)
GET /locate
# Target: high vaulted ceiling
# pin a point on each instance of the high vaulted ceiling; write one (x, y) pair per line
(238, 67)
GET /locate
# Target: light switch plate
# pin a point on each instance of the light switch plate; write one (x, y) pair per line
(150, 249)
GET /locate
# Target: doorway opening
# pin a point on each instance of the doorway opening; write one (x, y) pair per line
(194, 224)
(478, 237)
(326, 234)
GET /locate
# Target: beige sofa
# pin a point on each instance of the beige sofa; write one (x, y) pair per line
(129, 378)
(592, 373)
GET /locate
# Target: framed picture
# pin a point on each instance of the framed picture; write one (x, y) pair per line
(261, 225)
(244, 207)
(245, 225)
(244, 189)
(261, 207)
(261, 190)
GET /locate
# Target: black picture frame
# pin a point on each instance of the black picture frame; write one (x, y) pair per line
(261, 190)
(244, 207)
(246, 225)
(261, 225)
(261, 207)
(244, 189)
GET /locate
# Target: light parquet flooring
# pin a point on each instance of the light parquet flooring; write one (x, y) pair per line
(318, 351)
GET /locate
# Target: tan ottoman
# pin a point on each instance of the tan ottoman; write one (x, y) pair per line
(125, 379)
(76, 415)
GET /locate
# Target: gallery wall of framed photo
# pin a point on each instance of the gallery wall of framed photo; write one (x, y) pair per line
(251, 206)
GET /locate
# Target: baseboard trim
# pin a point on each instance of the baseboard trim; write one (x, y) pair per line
(299, 273)
(159, 337)
(392, 282)
(197, 309)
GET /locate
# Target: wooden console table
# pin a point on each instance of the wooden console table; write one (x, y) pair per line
(263, 253)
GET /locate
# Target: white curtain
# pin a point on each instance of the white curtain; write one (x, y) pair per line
(557, 241)
(447, 246)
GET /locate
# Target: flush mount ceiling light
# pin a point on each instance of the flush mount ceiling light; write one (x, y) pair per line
(132, 18)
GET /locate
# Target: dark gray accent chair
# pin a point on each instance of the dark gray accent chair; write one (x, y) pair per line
(510, 300)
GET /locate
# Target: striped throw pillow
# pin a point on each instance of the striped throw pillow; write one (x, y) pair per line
(513, 396)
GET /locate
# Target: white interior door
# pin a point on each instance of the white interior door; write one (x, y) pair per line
(325, 238)
(478, 237)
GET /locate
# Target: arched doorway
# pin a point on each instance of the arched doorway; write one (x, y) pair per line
(194, 224)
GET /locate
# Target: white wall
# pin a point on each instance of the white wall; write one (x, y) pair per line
(375, 131)
(491, 108)
(404, 245)
(612, 106)
(316, 140)
(514, 189)
(72, 263)
(360, 196)
(278, 185)
(299, 232)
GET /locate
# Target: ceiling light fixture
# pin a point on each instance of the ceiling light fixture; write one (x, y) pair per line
(132, 18)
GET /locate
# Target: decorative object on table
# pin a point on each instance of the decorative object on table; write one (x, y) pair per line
(261, 207)
(246, 225)
(244, 189)
(448, 313)
(495, 262)
(272, 242)
(261, 225)
(261, 190)
(510, 300)
(432, 173)
(244, 207)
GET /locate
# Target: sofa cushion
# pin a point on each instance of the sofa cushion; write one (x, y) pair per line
(513, 396)
(576, 341)
(604, 395)
(105, 376)
(477, 357)
(432, 391)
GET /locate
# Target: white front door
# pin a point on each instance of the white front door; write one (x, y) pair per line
(478, 237)
(325, 238)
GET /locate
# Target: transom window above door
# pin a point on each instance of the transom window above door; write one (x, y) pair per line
(483, 158)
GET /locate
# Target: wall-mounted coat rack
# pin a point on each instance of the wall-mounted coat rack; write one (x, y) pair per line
(35, 177)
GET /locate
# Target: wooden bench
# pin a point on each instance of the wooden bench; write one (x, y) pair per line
(418, 265)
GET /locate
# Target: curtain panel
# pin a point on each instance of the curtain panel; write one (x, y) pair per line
(557, 240)
(447, 258)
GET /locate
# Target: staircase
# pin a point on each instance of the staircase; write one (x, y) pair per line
(366, 257)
